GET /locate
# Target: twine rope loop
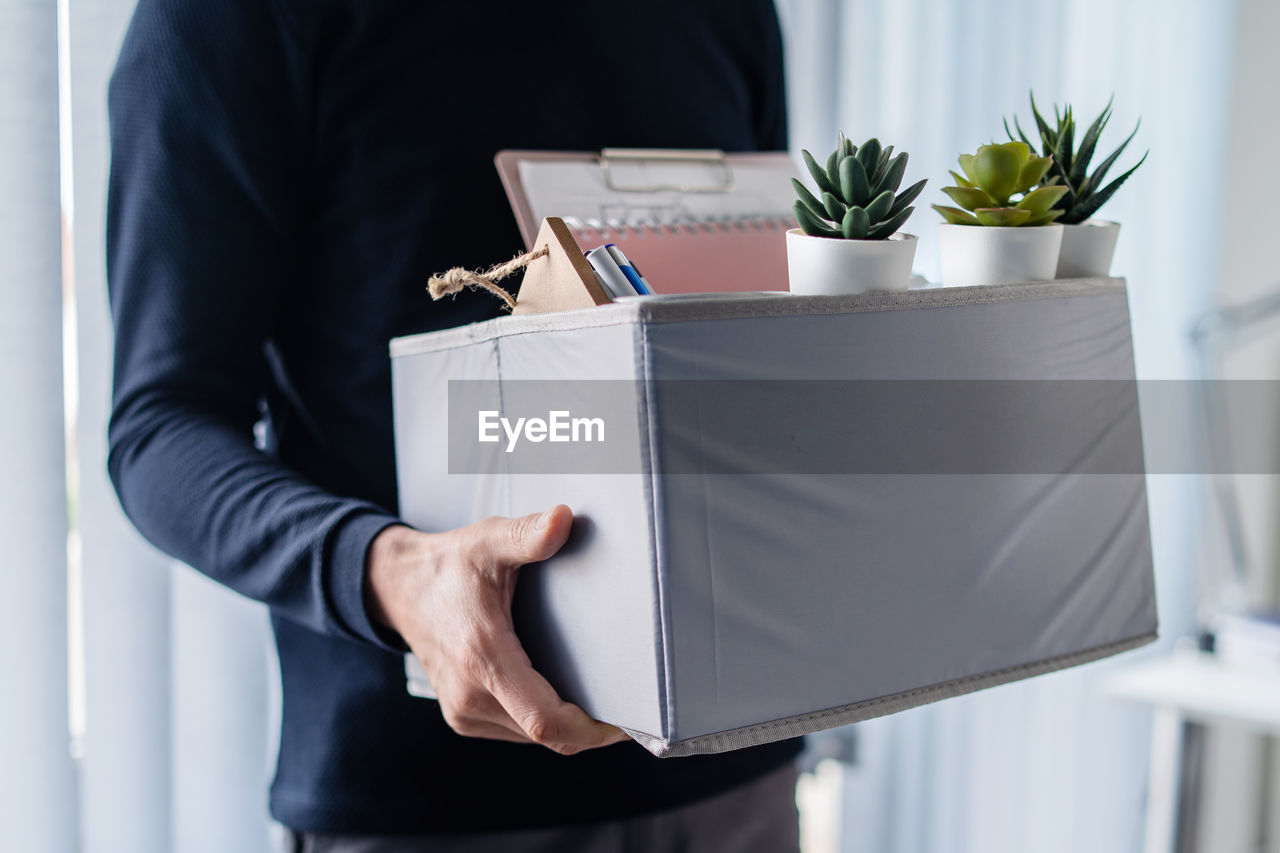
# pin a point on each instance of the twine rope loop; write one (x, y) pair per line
(456, 279)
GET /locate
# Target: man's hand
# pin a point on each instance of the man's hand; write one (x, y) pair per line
(449, 596)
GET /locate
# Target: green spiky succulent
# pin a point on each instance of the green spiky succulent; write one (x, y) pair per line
(992, 177)
(1085, 193)
(858, 196)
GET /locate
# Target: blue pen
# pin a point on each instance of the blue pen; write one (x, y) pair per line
(628, 269)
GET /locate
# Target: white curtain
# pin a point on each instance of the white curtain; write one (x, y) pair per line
(168, 688)
(1051, 764)
(36, 782)
(177, 684)
(125, 750)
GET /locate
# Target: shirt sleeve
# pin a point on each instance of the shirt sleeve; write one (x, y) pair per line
(207, 112)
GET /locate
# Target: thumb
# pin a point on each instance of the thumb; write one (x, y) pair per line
(532, 538)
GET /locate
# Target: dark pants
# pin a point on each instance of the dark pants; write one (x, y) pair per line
(759, 816)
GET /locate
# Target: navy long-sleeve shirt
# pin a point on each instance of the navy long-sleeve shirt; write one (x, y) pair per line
(285, 177)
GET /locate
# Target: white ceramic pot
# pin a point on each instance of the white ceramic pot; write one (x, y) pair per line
(982, 254)
(1087, 249)
(826, 265)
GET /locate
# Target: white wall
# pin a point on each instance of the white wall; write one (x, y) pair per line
(1240, 813)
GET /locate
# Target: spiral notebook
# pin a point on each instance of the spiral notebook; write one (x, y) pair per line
(691, 221)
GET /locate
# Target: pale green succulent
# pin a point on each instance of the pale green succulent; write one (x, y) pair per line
(858, 196)
(992, 177)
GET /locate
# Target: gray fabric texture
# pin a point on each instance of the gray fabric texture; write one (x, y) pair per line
(695, 306)
(817, 721)
(705, 612)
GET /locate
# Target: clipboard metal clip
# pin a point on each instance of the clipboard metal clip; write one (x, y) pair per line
(613, 158)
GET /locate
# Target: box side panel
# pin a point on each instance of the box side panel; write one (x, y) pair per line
(430, 497)
(791, 593)
(830, 718)
(588, 616)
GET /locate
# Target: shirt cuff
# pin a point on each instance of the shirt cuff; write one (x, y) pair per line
(349, 555)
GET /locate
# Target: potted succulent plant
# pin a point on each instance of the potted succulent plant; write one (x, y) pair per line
(847, 241)
(1087, 244)
(990, 238)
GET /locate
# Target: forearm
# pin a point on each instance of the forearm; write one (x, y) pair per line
(195, 486)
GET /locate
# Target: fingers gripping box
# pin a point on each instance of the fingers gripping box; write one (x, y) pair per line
(803, 511)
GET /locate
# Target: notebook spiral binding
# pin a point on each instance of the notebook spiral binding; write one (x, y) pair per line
(654, 228)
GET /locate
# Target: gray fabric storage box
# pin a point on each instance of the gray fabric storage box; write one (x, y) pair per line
(708, 611)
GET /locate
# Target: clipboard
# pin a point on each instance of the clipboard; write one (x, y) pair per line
(692, 221)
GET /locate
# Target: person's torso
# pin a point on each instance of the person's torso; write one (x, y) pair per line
(406, 105)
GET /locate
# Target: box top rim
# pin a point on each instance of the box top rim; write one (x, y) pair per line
(682, 308)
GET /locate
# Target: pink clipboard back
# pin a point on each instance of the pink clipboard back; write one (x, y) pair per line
(718, 256)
